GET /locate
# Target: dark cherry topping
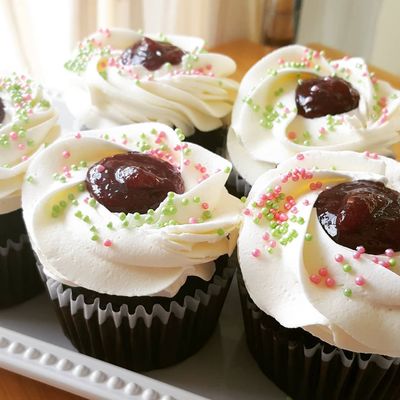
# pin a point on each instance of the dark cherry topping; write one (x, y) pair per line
(361, 213)
(152, 54)
(318, 97)
(2, 111)
(132, 182)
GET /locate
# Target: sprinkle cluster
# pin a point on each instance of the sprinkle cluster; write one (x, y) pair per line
(155, 142)
(18, 91)
(110, 58)
(309, 63)
(279, 214)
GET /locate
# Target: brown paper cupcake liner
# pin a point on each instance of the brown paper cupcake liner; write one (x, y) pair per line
(308, 369)
(19, 279)
(142, 333)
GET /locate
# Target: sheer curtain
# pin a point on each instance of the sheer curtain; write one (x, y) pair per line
(38, 35)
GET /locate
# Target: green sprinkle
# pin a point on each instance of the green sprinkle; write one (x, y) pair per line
(81, 187)
(392, 262)
(110, 225)
(92, 202)
(206, 214)
(93, 229)
(227, 170)
(256, 220)
(63, 204)
(71, 197)
(187, 151)
(125, 224)
(78, 214)
(136, 216)
(220, 232)
(300, 220)
(270, 250)
(95, 237)
(185, 201)
(347, 292)
(86, 219)
(243, 199)
(347, 268)
(196, 199)
(171, 195)
(75, 202)
(74, 167)
(308, 237)
(150, 211)
(83, 164)
(122, 216)
(149, 219)
(30, 179)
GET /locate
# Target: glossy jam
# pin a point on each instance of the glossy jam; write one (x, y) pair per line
(327, 95)
(2, 111)
(361, 213)
(152, 54)
(132, 182)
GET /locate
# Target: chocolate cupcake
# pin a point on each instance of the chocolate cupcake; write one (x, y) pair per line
(119, 76)
(294, 100)
(319, 254)
(28, 122)
(132, 229)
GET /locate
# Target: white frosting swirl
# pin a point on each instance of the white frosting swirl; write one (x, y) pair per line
(267, 128)
(357, 310)
(102, 92)
(30, 123)
(80, 242)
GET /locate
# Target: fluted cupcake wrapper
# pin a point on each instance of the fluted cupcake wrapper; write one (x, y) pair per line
(308, 369)
(145, 336)
(19, 279)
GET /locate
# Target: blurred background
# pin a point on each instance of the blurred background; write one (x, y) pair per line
(36, 36)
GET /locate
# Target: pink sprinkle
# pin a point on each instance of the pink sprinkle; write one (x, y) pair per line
(256, 253)
(204, 206)
(186, 162)
(339, 258)
(266, 236)
(356, 256)
(13, 135)
(375, 259)
(312, 186)
(107, 243)
(306, 202)
(322, 130)
(330, 282)
(389, 252)
(283, 217)
(21, 146)
(78, 135)
(272, 243)
(300, 157)
(177, 147)
(192, 220)
(294, 210)
(384, 264)
(315, 279)
(24, 158)
(247, 212)
(101, 168)
(66, 154)
(203, 170)
(360, 249)
(360, 281)
(281, 61)
(68, 175)
(323, 271)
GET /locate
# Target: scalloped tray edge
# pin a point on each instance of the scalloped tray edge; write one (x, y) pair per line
(80, 374)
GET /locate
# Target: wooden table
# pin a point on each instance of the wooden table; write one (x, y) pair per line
(245, 53)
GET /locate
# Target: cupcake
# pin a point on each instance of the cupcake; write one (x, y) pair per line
(320, 286)
(120, 76)
(294, 100)
(133, 229)
(28, 122)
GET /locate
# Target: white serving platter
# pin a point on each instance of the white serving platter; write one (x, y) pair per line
(32, 344)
